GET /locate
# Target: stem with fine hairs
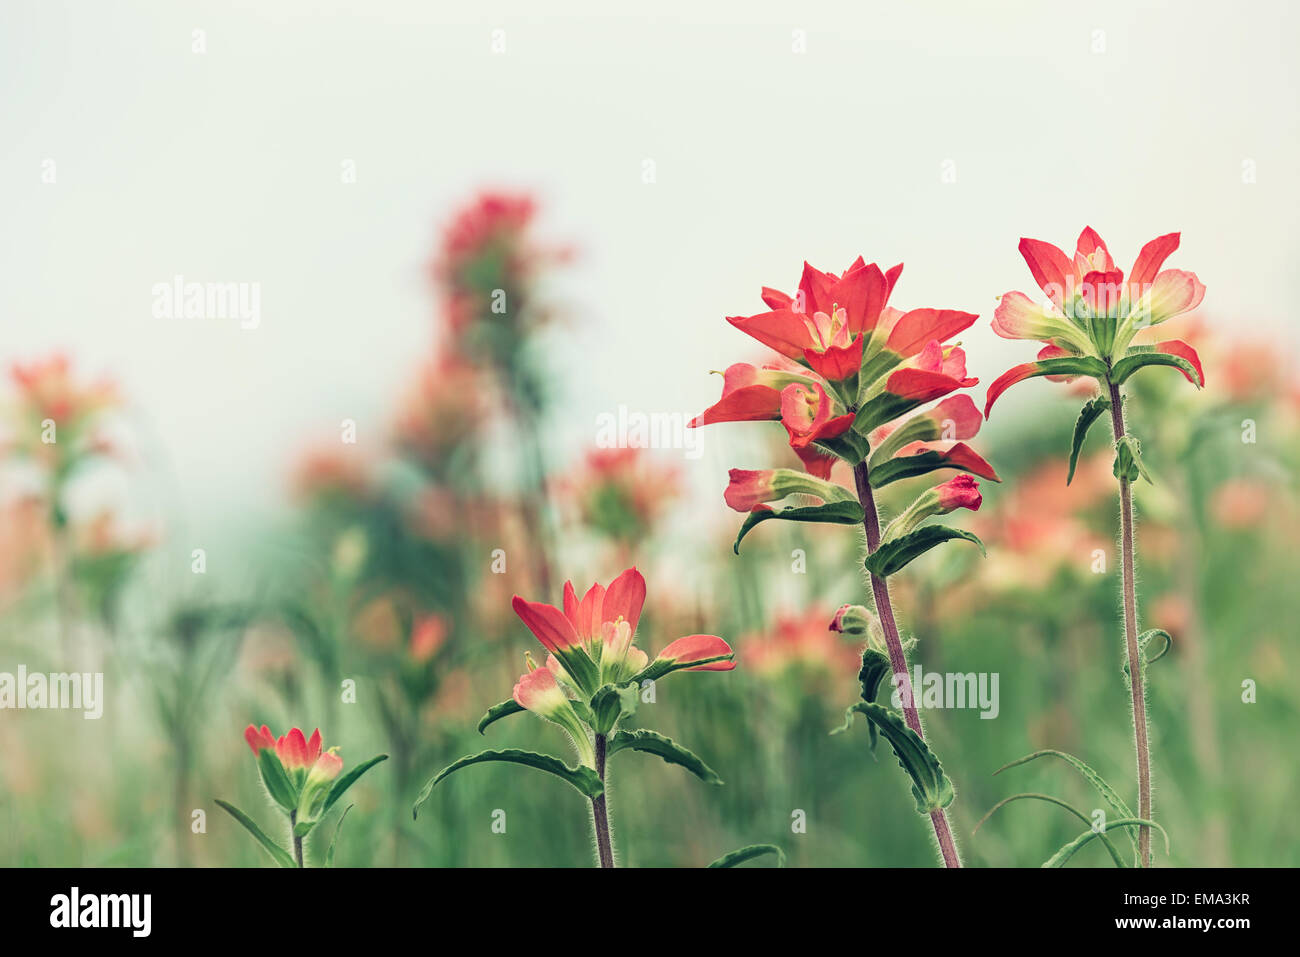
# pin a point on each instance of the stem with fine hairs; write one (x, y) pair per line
(898, 657)
(1138, 692)
(600, 812)
(297, 840)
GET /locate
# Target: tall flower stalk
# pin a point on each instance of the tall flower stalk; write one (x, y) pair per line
(897, 653)
(851, 374)
(1088, 322)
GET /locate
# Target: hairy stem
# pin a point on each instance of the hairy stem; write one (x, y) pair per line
(1138, 692)
(599, 812)
(897, 657)
(297, 840)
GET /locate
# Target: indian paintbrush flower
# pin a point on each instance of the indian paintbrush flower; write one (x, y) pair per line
(848, 383)
(593, 679)
(1092, 311)
(302, 779)
(1088, 323)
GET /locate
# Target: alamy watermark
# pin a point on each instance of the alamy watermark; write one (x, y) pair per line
(64, 691)
(936, 689)
(239, 301)
(627, 428)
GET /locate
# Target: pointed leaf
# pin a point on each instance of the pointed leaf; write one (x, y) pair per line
(930, 786)
(908, 466)
(329, 853)
(499, 711)
(582, 777)
(613, 703)
(1128, 460)
(849, 446)
(748, 854)
(1068, 851)
(276, 779)
(654, 743)
(1135, 360)
(1091, 410)
(837, 513)
(894, 555)
(347, 780)
(1107, 792)
(1110, 848)
(280, 855)
(885, 407)
(1059, 365)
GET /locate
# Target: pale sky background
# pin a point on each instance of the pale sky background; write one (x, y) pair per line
(225, 166)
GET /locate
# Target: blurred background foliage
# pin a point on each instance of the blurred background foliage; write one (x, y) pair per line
(393, 567)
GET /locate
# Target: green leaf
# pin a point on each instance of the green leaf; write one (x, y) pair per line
(875, 665)
(1091, 411)
(276, 779)
(613, 703)
(894, 555)
(838, 513)
(660, 667)
(1068, 851)
(908, 466)
(850, 446)
(347, 780)
(1144, 639)
(582, 777)
(1128, 460)
(329, 853)
(1134, 360)
(1107, 792)
(1110, 848)
(654, 743)
(275, 850)
(748, 854)
(930, 786)
(499, 711)
(885, 407)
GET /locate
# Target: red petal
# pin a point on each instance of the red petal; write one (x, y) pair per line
(1049, 266)
(781, 329)
(775, 298)
(967, 458)
(862, 294)
(591, 612)
(917, 328)
(313, 747)
(625, 596)
(922, 386)
(751, 403)
(815, 286)
(1176, 347)
(960, 410)
(547, 623)
(815, 461)
(891, 279)
(1151, 258)
(571, 603)
(698, 648)
(1007, 380)
(837, 362)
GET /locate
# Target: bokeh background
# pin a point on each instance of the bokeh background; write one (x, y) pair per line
(629, 180)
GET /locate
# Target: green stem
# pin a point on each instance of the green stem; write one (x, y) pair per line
(1137, 691)
(897, 656)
